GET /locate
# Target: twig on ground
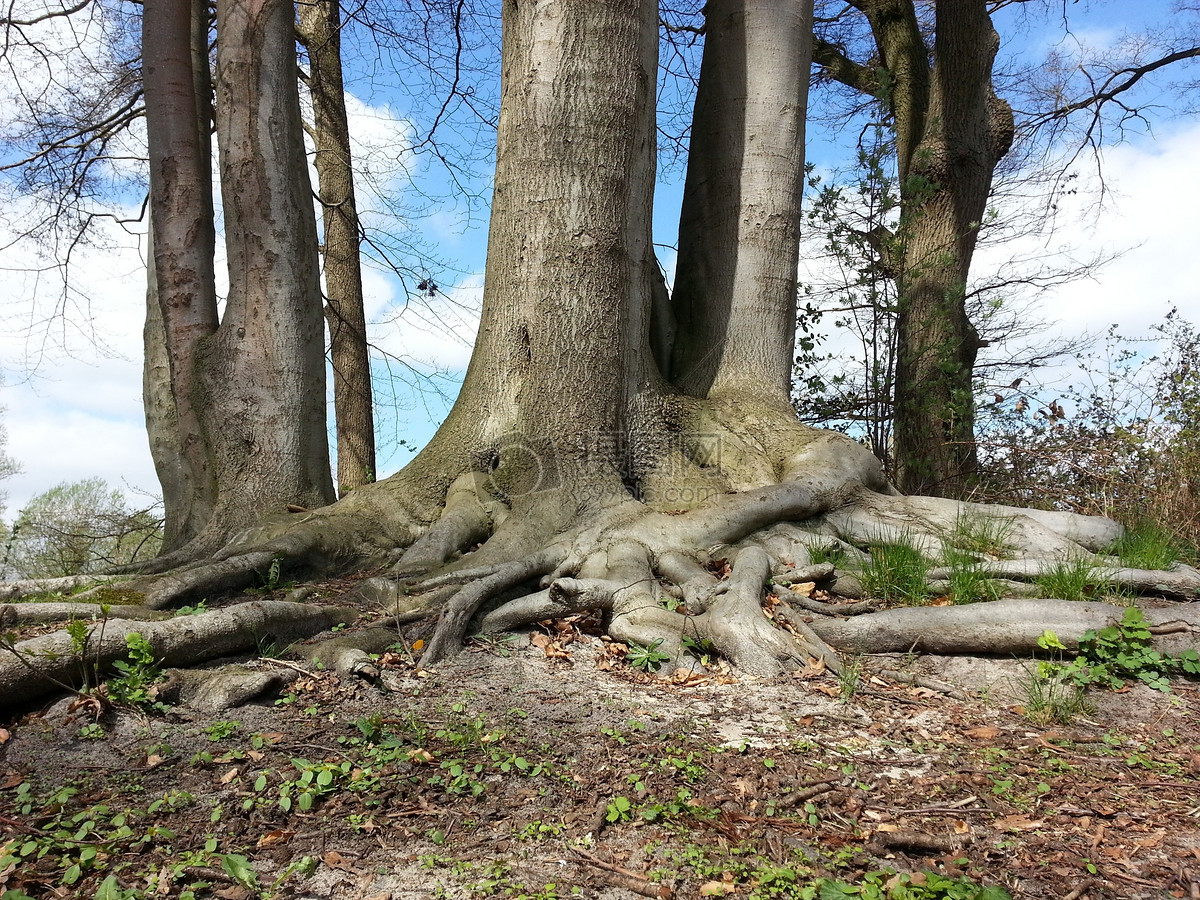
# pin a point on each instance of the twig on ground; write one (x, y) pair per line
(631, 881)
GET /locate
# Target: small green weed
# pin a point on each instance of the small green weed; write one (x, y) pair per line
(887, 885)
(619, 809)
(222, 730)
(135, 685)
(646, 658)
(1109, 656)
(200, 607)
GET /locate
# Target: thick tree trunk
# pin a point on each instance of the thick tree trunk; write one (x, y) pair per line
(181, 294)
(946, 179)
(735, 291)
(320, 27)
(261, 374)
(541, 403)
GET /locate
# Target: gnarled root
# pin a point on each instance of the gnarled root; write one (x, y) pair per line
(42, 665)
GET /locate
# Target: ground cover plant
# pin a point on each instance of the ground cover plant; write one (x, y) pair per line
(564, 771)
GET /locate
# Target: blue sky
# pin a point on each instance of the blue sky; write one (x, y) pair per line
(79, 413)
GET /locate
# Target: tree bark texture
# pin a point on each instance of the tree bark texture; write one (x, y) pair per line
(735, 292)
(948, 149)
(261, 374)
(320, 27)
(567, 246)
(181, 294)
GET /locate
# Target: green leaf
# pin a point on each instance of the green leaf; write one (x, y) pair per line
(239, 869)
(1049, 641)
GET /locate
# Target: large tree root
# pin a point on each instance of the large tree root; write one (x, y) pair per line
(42, 665)
(1001, 627)
(1179, 581)
(46, 613)
(675, 578)
(19, 590)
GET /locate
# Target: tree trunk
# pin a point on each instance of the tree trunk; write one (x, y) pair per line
(261, 374)
(946, 179)
(320, 27)
(181, 295)
(735, 291)
(544, 391)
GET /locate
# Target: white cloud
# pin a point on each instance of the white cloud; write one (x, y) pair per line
(1149, 218)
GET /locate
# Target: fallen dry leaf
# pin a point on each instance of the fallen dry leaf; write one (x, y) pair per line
(229, 776)
(153, 761)
(1019, 823)
(805, 588)
(549, 647)
(275, 837)
(982, 733)
(335, 860)
(715, 889)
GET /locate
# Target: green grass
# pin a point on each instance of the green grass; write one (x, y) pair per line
(970, 584)
(1071, 579)
(896, 572)
(1048, 698)
(981, 535)
(1146, 545)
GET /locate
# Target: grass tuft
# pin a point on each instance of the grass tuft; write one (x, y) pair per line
(1146, 545)
(1071, 579)
(897, 573)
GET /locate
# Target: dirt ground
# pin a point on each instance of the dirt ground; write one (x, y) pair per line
(546, 767)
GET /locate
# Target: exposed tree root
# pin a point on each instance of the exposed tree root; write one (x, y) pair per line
(676, 577)
(1002, 627)
(19, 590)
(42, 665)
(1180, 581)
(47, 613)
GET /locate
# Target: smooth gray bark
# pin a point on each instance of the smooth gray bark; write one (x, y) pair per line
(735, 291)
(181, 292)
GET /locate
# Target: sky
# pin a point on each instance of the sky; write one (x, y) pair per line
(72, 368)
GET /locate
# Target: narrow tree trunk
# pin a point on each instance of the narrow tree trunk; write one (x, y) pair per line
(262, 373)
(946, 179)
(320, 26)
(181, 295)
(735, 292)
